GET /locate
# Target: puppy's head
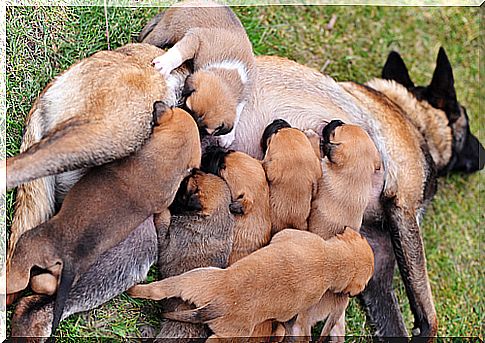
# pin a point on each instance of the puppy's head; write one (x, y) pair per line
(211, 102)
(244, 175)
(32, 252)
(182, 128)
(271, 130)
(202, 193)
(349, 146)
(33, 317)
(362, 271)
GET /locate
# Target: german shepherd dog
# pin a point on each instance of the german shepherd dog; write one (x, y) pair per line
(433, 137)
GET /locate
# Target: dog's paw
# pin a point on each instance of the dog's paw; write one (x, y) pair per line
(162, 66)
(225, 141)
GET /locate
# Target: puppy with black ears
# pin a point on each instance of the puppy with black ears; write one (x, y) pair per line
(214, 39)
(200, 235)
(292, 170)
(246, 179)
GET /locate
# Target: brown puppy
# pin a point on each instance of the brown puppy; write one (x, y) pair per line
(202, 229)
(301, 266)
(107, 204)
(250, 198)
(213, 37)
(292, 169)
(351, 161)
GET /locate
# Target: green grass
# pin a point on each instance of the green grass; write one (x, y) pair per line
(42, 41)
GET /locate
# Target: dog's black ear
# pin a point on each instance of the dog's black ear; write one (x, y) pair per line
(441, 91)
(213, 159)
(159, 108)
(270, 130)
(396, 70)
(189, 87)
(236, 207)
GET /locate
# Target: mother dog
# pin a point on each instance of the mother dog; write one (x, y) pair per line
(435, 136)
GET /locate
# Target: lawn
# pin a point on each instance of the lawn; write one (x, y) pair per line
(43, 41)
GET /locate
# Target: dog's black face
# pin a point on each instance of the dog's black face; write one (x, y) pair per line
(186, 199)
(213, 160)
(468, 154)
(325, 145)
(270, 130)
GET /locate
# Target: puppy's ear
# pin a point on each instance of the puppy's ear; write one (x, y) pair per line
(159, 109)
(213, 160)
(396, 70)
(270, 130)
(189, 87)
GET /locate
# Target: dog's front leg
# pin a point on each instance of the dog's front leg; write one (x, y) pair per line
(379, 299)
(409, 251)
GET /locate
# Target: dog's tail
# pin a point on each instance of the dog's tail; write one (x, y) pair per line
(67, 279)
(197, 286)
(199, 315)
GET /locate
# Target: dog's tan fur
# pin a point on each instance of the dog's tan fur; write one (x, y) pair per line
(223, 61)
(351, 162)
(109, 202)
(293, 170)
(301, 267)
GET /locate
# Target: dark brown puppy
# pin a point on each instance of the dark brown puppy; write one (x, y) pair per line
(292, 170)
(200, 235)
(107, 204)
(250, 198)
(301, 266)
(113, 273)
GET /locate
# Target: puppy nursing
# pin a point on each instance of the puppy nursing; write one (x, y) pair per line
(200, 235)
(250, 198)
(107, 204)
(233, 301)
(292, 169)
(213, 37)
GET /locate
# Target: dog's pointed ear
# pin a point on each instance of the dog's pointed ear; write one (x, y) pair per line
(395, 69)
(441, 90)
(159, 109)
(189, 87)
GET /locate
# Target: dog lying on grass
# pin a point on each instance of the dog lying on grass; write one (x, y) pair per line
(107, 204)
(199, 235)
(300, 265)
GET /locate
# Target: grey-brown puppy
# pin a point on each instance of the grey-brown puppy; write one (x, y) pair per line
(200, 235)
(292, 170)
(213, 37)
(113, 273)
(301, 266)
(250, 198)
(351, 161)
(107, 204)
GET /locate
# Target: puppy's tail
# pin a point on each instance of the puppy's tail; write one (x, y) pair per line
(199, 315)
(67, 279)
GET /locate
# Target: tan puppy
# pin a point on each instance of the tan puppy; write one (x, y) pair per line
(301, 266)
(202, 228)
(250, 198)
(213, 37)
(108, 203)
(292, 169)
(350, 163)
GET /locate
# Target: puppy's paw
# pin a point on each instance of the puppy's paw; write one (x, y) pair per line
(168, 61)
(225, 141)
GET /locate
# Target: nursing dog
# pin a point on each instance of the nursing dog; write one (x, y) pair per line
(281, 86)
(250, 198)
(301, 266)
(350, 161)
(201, 227)
(292, 169)
(99, 110)
(107, 204)
(214, 39)
(113, 273)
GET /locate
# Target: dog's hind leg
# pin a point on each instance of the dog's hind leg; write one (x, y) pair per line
(378, 298)
(409, 251)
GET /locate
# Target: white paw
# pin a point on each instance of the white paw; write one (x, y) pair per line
(226, 140)
(168, 61)
(162, 65)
